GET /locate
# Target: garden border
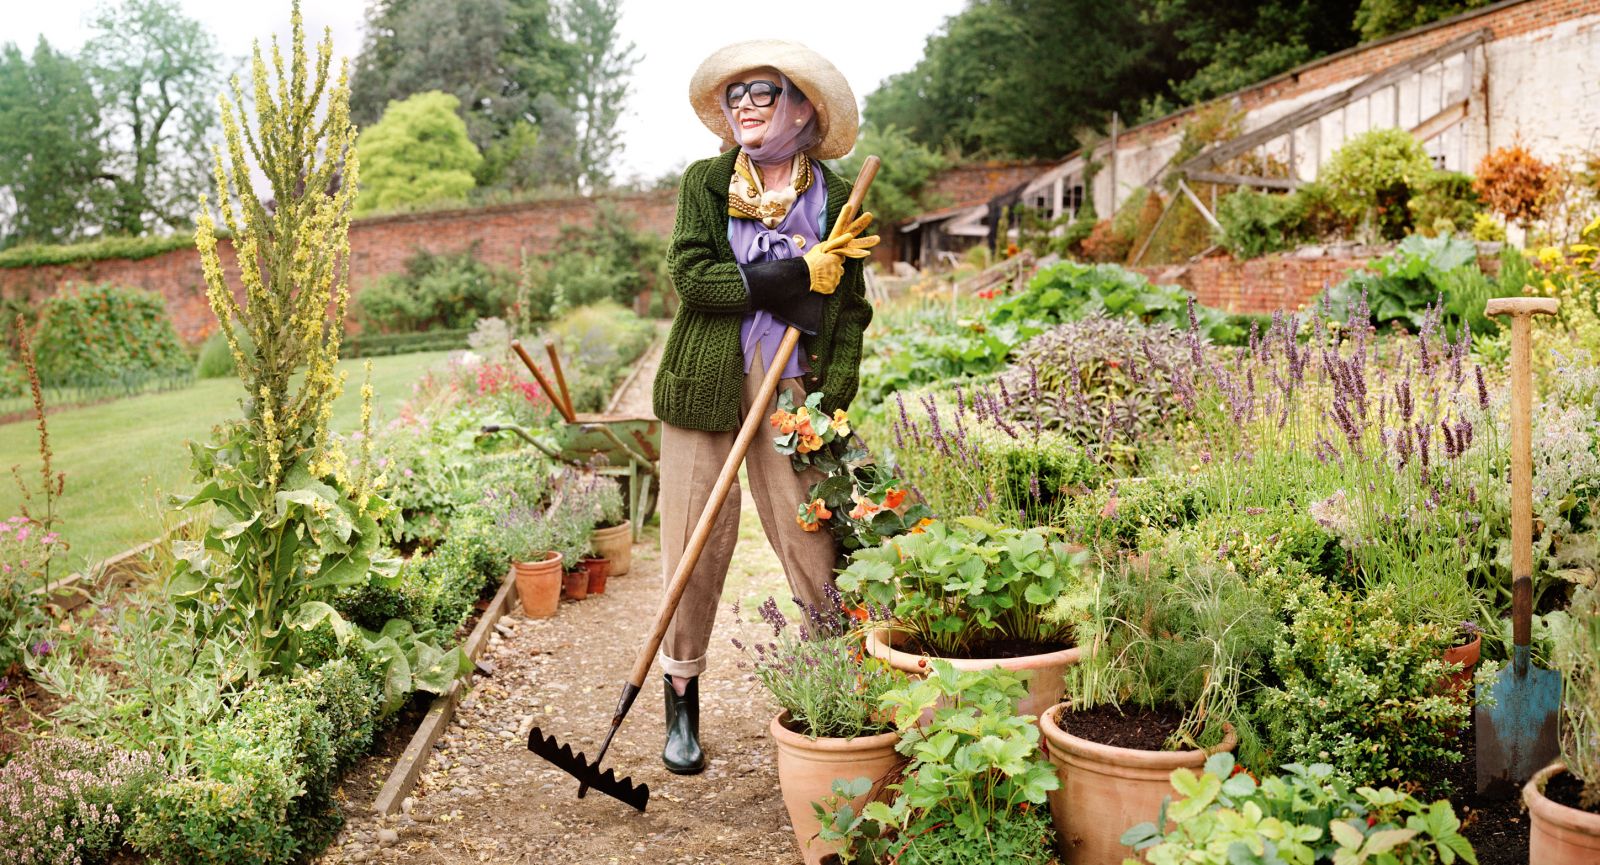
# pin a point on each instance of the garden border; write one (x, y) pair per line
(403, 777)
(69, 594)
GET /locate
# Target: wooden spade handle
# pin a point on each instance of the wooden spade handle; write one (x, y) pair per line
(730, 468)
(1521, 310)
(561, 378)
(555, 396)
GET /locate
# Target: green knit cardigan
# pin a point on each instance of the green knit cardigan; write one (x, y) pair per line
(700, 382)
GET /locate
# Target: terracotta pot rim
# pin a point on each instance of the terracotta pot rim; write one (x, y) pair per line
(1468, 646)
(1057, 736)
(613, 529)
(877, 642)
(549, 557)
(785, 736)
(1543, 808)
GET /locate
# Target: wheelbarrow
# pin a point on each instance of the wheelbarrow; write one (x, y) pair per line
(626, 447)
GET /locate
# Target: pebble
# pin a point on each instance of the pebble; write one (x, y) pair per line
(388, 836)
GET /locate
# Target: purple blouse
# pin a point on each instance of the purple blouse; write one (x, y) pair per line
(753, 242)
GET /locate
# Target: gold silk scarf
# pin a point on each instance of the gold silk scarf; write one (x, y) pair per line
(747, 199)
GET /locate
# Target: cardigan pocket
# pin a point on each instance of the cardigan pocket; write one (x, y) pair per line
(677, 393)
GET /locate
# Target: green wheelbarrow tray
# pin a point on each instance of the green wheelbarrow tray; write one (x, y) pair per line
(622, 446)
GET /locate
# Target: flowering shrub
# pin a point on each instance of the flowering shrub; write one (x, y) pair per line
(26, 551)
(816, 672)
(1514, 183)
(65, 801)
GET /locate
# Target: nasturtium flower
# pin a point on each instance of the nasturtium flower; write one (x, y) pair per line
(840, 422)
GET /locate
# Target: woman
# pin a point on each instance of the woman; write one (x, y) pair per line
(750, 256)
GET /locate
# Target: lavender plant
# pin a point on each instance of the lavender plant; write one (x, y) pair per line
(816, 672)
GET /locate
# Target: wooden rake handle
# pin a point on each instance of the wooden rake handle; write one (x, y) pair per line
(1522, 310)
(551, 392)
(741, 445)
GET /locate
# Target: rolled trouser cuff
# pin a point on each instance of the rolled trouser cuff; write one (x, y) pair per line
(686, 669)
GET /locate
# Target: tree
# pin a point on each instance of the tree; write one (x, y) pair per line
(156, 71)
(1376, 19)
(897, 193)
(1232, 45)
(600, 84)
(49, 122)
(417, 153)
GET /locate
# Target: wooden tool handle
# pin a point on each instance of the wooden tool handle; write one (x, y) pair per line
(1521, 310)
(555, 396)
(730, 468)
(561, 378)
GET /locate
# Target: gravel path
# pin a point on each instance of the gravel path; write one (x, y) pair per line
(485, 798)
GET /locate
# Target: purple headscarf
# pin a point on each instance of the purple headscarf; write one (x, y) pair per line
(784, 137)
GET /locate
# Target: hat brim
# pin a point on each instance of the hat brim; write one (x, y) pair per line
(824, 85)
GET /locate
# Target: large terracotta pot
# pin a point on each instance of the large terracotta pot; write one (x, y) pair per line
(616, 544)
(808, 767)
(1467, 656)
(1044, 686)
(1107, 790)
(539, 585)
(1559, 835)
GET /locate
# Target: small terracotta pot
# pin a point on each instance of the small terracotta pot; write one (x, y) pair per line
(1106, 790)
(1558, 835)
(598, 569)
(575, 584)
(808, 767)
(539, 585)
(616, 544)
(1044, 686)
(1467, 657)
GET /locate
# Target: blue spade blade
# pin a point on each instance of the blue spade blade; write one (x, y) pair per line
(1516, 721)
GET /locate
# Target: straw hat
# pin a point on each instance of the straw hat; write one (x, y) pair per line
(823, 85)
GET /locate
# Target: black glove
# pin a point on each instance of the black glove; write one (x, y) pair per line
(783, 288)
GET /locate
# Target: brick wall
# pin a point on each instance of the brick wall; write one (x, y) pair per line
(980, 181)
(378, 246)
(1273, 282)
(1503, 20)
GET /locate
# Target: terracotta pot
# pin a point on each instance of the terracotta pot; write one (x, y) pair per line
(598, 569)
(539, 585)
(1559, 835)
(1044, 686)
(616, 544)
(1106, 790)
(1467, 657)
(575, 584)
(808, 767)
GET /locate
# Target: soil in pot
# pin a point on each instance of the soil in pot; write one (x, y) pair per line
(1565, 789)
(1561, 831)
(598, 569)
(539, 586)
(575, 584)
(1106, 789)
(1005, 647)
(1047, 667)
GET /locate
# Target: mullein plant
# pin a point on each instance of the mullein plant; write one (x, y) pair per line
(291, 523)
(1391, 444)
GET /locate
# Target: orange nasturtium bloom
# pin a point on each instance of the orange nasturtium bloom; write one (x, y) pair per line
(864, 508)
(893, 497)
(815, 511)
(840, 422)
(808, 441)
(922, 525)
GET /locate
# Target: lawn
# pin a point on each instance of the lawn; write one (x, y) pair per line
(122, 458)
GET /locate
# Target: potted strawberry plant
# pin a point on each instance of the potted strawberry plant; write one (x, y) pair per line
(977, 595)
(829, 727)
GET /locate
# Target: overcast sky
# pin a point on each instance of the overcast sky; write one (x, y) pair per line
(868, 41)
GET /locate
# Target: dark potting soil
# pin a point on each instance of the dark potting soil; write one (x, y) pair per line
(1564, 789)
(1497, 828)
(1140, 729)
(1002, 648)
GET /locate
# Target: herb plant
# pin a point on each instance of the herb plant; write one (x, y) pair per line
(1577, 656)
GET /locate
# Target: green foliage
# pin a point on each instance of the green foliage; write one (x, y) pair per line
(908, 166)
(1376, 19)
(385, 344)
(49, 119)
(436, 291)
(956, 585)
(976, 785)
(1373, 176)
(1256, 542)
(157, 72)
(417, 153)
(1069, 291)
(1360, 688)
(1303, 816)
(598, 343)
(1445, 203)
(1424, 271)
(103, 249)
(609, 259)
(1256, 223)
(1228, 47)
(108, 338)
(1577, 656)
(932, 346)
(1115, 516)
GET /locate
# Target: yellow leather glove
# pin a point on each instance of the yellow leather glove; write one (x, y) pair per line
(826, 259)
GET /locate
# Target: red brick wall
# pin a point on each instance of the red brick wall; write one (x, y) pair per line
(1270, 283)
(980, 181)
(1504, 20)
(378, 246)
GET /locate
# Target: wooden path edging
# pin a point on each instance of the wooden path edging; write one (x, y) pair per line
(409, 767)
(73, 590)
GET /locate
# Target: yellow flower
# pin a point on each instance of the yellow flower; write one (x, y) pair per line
(840, 422)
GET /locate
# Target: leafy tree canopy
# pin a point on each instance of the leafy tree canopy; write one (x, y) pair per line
(899, 192)
(417, 153)
(49, 121)
(1376, 19)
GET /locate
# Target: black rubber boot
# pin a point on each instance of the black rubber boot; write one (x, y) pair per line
(682, 753)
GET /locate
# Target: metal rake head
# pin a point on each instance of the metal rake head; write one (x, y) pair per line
(588, 774)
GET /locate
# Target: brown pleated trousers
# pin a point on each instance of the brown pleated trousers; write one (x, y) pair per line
(690, 462)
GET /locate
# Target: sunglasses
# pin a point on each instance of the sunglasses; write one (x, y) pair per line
(762, 93)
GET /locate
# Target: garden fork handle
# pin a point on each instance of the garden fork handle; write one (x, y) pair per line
(1522, 310)
(552, 393)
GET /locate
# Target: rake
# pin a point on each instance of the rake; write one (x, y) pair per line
(576, 764)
